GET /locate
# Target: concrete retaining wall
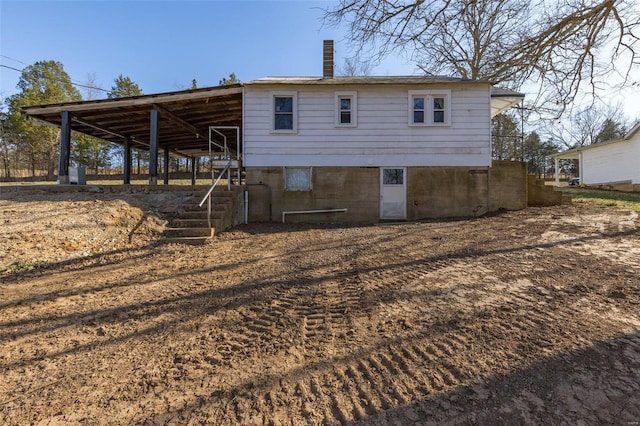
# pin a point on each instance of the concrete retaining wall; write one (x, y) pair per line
(432, 192)
(541, 195)
(508, 185)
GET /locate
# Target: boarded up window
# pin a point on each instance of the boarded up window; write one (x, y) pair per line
(297, 178)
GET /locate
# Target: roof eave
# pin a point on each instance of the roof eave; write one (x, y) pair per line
(133, 100)
(500, 104)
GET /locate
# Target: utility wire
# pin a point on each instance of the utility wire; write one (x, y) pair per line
(75, 84)
(13, 59)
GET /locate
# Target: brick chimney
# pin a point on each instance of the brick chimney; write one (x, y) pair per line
(327, 59)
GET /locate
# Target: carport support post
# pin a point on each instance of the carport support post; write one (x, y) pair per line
(154, 140)
(194, 172)
(127, 160)
(580, 168)
(557, 171)
(166, 166)
(65, 148)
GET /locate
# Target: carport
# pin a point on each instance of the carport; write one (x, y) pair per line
(180, 123)
(571, 154)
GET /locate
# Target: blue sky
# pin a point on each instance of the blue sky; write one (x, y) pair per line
(163, 45)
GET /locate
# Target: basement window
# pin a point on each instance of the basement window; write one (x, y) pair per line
(429, 108)
(346, 107)
(297, 178)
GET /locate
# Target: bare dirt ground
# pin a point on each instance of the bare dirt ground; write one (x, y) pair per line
(528, 317)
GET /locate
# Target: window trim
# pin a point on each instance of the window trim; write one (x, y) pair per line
(284, 176)
(354, 108)
(428, 96)
(284, 94)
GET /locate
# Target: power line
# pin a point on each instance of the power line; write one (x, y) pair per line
(58, 80)
(13, 59)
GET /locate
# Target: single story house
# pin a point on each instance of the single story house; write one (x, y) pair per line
(352, 149)
(612, 163)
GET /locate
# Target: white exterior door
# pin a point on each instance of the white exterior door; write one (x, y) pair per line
(393, 193)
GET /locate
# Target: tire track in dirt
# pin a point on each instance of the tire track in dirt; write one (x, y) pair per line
(357, 387)
(312, 307)
(339, 332)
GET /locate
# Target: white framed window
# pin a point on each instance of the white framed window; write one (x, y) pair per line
(284, 112)
(429, 107)
(346, 107)
(297, 178)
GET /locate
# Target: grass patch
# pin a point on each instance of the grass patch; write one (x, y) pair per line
(623, 200)
(24, 266)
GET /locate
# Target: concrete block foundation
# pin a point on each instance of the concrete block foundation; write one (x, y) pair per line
(431, 192)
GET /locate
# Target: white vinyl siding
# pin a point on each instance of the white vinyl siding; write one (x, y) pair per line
(382, 136)
(612, 162)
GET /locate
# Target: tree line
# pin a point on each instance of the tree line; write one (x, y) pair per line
(29, 147)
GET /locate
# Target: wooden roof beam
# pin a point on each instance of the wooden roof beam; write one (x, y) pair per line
(136, 102)
(177, 120)
(93, 126)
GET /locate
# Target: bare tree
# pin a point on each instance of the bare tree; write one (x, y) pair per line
(561, 45)
(589, 125)
(91, 88)
(354, 66)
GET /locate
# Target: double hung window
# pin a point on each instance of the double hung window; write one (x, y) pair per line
(284, 112)
(346, 107)
(429, 108)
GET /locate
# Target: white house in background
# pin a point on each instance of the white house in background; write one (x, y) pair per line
(379, 147)
(615, 162)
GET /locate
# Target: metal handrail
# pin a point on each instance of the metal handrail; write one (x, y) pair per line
(228, 154)
(207, 196)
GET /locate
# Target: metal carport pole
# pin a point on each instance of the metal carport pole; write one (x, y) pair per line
(127, 161)
(154, 139)
(194, 171)
(65, 148)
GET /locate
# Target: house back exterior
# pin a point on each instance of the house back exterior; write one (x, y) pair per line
(321, 149)
(383, 148)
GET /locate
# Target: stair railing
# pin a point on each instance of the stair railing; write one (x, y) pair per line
(207, 196)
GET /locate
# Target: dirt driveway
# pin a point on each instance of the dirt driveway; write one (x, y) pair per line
(529, 317)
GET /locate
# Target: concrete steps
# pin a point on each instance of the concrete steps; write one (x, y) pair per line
(541, 195)
(190, 225)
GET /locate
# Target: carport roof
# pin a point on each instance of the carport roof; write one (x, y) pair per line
(184, 123)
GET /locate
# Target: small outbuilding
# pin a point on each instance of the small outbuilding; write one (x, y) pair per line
(613, 163)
